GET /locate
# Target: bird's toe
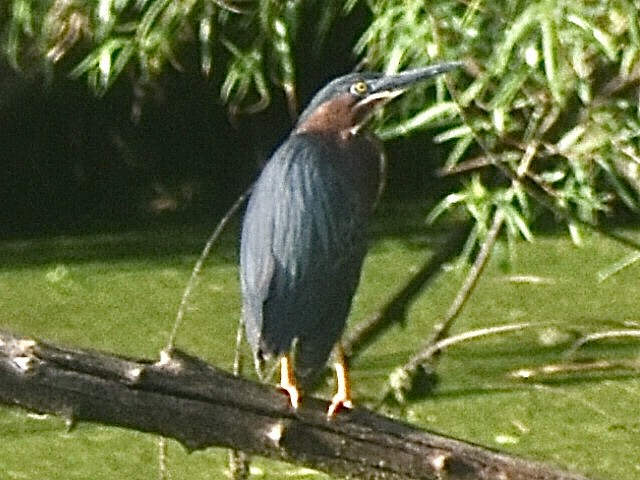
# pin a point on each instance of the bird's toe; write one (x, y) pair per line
(338, 403)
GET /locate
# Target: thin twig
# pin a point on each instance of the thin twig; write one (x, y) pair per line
(394, 311)
(239, 461)
(442, 329)
(600, 336)
(554, 369)
(195, 273)
(426, 354)
(618, 266)
(163, 471)
(402, 378)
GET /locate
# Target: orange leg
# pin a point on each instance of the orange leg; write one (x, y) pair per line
(342, 398)
(288, 380)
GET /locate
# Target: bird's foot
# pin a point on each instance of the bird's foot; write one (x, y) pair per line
(288, 381)
(342, 398)
(293, 393)
(339, 402)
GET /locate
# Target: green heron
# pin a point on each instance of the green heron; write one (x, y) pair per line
(304, 231)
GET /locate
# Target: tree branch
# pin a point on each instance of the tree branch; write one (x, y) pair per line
(201, 406)
(395, 310)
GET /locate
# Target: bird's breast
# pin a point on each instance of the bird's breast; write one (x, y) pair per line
(362, 159)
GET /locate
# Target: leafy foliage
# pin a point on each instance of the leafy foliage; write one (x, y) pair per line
(550, 111)
(547, 108)
(103, 39)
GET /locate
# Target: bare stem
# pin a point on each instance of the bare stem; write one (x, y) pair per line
(195, 273)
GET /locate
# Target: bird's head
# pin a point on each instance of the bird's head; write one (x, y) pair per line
(345, 104)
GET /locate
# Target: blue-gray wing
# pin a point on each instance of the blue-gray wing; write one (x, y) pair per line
(302, 246)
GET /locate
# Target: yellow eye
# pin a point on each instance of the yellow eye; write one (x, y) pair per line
(360, 87)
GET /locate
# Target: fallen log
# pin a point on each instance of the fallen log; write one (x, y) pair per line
(182, 397)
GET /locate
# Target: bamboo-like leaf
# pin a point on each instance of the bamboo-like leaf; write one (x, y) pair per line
(104, 65)
(429, 115)
(525, 23)
(605, 41)
(550, 50)
(452, 133)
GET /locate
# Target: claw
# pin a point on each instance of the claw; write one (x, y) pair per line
(338, 402)
(288, 381)
(342, 398)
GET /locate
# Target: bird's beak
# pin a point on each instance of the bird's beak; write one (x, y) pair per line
(390, 86)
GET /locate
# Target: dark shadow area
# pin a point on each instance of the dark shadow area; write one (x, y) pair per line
(395, 310)
(178, 235)
(164, 150)
(163, 243)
